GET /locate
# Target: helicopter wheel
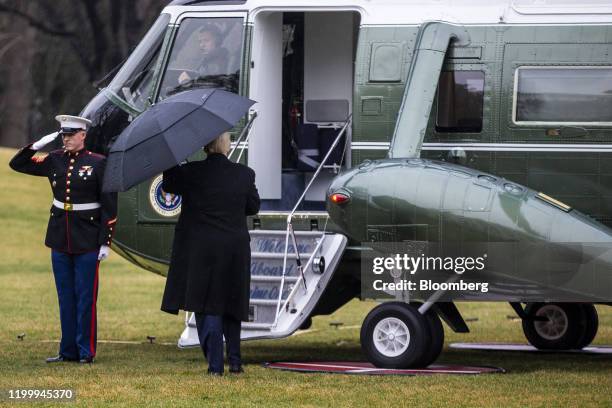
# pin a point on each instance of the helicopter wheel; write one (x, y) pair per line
(436, 338)
(568, 325)
(591, 324)
(396, 335)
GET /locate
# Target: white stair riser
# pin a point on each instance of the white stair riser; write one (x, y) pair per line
(277, 244)
(273, 267)
(288, 279)
(256, 326)
(262, 313)
(268, 290)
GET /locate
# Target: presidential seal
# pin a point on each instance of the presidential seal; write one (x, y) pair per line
(165, 204)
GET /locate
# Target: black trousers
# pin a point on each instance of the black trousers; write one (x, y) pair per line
(211, 330)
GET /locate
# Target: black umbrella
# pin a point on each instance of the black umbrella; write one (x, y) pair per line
(169, 132)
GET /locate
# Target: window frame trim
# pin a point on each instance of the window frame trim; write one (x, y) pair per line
(119, 99)
(175, 25)
(524, 123)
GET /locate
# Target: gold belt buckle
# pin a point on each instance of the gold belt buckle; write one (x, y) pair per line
(68, 206)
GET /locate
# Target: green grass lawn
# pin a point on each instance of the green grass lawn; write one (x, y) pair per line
(135, 373)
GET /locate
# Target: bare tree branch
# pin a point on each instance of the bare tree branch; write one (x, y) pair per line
(8, 45)
(99, 38)
(82, 55)
(7, 36)
(118, 49)
(38, 24)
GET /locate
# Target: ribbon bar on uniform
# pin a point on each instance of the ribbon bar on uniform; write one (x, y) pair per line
(75, 207)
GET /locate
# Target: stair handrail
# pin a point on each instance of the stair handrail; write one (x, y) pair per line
(294, 289)
(291, 232)
(246, 130)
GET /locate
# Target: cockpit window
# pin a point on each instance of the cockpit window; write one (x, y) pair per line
(206, 53)
(134, 81)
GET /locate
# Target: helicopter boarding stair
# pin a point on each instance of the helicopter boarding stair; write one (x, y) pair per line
(289, 272)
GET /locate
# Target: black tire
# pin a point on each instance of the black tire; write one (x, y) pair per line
(414, 324)
(434, 342)
(561, 333)
(436, 338)
(590, 325)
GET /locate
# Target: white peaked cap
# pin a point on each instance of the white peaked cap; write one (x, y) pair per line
(74, 122)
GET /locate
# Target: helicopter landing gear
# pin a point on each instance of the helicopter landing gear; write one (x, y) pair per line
(566, 326)
(396, 335)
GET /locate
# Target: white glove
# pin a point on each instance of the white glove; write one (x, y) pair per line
(184, 77)
(104, 251)
(45, 140)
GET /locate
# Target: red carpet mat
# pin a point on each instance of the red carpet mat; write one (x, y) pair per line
(527, 348)
(344, 367)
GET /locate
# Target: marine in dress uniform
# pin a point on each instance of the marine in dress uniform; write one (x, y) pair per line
(79, 233)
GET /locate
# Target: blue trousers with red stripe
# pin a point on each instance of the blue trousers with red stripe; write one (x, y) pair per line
(76, 280)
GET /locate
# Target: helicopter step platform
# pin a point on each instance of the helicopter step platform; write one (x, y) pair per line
(282, 298)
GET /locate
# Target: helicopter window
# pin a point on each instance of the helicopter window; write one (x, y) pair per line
(206, 53)
(460, 101)
(134, 81)
(578, 95)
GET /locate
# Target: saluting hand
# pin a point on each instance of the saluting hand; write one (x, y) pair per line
(184, 77)
(45, 140)
(104, 251)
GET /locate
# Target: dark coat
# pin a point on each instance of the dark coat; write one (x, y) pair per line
(75, 178)
(211, 256)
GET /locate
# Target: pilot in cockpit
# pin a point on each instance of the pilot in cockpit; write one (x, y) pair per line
(211, 59)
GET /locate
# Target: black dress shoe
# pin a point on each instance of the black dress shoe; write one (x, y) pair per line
(58, 359)
(86, 360)
(236, 369)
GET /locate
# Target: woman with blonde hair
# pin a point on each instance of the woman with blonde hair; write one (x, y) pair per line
(209, 270)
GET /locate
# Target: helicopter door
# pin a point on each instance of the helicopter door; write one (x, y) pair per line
(302, 101)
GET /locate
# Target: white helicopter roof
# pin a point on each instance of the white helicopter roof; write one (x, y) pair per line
(411, 12)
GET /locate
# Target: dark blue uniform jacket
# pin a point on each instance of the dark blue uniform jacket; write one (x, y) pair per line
(75, 178)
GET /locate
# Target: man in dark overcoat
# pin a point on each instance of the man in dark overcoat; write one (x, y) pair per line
(209, 270)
